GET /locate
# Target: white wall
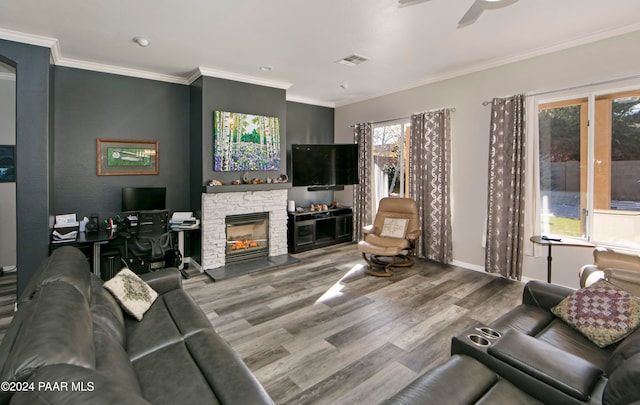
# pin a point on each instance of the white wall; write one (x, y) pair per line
(7, 190)
(603, 60)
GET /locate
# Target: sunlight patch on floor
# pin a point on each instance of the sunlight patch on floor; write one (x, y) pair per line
(336, 290)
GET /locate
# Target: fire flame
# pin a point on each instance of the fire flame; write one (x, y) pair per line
(244, 244)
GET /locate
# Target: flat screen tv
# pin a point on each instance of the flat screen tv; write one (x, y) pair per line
(324, 165)
(143, 198)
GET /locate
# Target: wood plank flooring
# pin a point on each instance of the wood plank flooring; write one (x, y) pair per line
(323, 332)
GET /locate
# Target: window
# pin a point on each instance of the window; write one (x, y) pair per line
(590, 176)
(390, 160)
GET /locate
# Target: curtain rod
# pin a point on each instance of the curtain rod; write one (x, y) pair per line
(580, 86)
(405, 118)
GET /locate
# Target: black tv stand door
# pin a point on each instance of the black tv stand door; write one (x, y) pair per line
(311, 230)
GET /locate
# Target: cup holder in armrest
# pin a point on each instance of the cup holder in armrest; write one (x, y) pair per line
(489, 333)
(479, 340)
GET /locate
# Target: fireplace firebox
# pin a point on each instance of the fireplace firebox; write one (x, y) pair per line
(247, 236)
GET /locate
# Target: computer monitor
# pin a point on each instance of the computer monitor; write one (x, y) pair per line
(143, 198)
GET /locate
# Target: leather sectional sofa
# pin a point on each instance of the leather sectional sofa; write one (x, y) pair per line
(70, 342)
(530, 356)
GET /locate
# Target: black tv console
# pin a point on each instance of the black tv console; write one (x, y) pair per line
(314, 229)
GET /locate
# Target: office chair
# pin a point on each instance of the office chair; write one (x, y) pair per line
(151, 244)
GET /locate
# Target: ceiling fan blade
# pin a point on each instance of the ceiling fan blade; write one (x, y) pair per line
(472, 14)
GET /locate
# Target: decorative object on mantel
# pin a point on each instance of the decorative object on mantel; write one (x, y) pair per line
(245, 178)
(214, 182)
(257, 181)
(282, 179)
(334, 205)
(236, 182)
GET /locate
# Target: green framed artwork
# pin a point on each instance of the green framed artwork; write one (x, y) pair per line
(245, 142)
(117, 157)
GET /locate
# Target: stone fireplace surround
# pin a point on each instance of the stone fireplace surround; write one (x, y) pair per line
(217, 205)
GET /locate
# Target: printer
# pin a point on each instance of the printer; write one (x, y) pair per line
(184, 220)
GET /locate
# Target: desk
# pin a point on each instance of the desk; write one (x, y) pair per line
(93, 239)
(538, 239)
(180, 232)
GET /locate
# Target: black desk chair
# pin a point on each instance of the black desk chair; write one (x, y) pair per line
(150, 245)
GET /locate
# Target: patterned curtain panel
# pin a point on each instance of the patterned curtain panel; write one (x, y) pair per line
(362, 192)
(429, 163)
(505, 214)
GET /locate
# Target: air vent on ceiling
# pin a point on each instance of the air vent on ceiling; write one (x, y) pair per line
(352, 60)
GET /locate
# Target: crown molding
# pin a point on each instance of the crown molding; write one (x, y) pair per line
(118, 70)
(221, 74)
(58, 59)
(312, 101)
(598, 36)
(30, 39)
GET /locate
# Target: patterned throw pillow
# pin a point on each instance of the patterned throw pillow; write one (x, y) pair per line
(602, 312)
(134, 295)
(394, 228)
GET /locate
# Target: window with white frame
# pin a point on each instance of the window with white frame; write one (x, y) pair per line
(589, 154)
(390, 160)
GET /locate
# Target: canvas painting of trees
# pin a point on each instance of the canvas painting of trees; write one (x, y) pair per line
(245, 142)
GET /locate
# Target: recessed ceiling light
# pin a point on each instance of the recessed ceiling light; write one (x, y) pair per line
(143, 42)
(266, 68)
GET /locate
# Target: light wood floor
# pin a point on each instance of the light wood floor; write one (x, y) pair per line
(323, 332)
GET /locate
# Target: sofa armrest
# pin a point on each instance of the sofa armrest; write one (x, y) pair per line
(544, 295)
(436, 387)
(589, 274)
(163, 280)
(555, 367)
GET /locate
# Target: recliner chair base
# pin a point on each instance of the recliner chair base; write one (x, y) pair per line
(386, 262)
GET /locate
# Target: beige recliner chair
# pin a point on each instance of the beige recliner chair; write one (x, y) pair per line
(620, 269)
(390, 240)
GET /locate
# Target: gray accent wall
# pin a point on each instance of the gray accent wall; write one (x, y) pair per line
(308, 124)
(91, 106)
(211, 94)
(228, 95)
(195, 142)
(33, 140)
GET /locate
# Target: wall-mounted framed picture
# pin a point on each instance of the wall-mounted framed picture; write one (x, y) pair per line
(117, 157)
(7, 163)
(245, 142)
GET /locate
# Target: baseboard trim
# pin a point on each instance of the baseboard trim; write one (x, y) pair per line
(469, 266)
